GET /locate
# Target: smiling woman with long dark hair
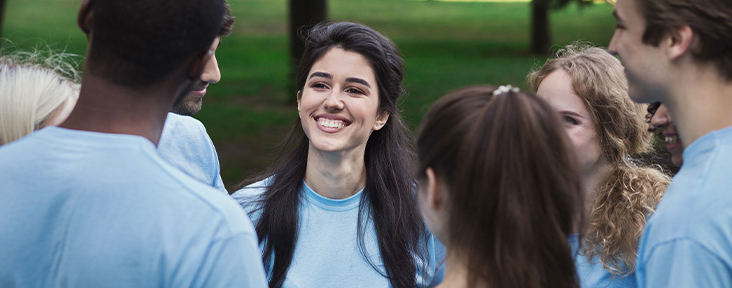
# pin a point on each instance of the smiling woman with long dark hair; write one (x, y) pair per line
(337, 208)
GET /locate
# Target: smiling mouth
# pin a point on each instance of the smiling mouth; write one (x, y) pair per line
(332, 123)
(200, 87)
(671, 139)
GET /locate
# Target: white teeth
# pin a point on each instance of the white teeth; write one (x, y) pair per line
(671, 139)
(331, 123)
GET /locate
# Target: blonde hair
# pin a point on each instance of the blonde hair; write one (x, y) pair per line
(629, 195)
(34, 86)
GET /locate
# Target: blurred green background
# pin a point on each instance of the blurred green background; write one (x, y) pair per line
(446, 45)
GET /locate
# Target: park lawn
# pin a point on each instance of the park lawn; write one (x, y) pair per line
(446, 45)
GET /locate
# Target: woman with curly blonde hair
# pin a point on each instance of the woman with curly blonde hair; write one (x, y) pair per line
(588, 87)
(37, 89)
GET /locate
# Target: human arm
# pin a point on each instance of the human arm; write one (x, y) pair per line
(682, 263)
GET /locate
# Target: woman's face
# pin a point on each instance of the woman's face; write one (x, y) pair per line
(557, 90)
(338, 104)
(662, 121)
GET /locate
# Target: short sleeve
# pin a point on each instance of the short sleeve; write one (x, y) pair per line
(232, 262)
(249, 196)
(682, 263)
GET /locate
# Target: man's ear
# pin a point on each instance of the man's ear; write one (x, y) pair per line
(381, 120)
(85, 19)
(680, 41)
(435, 190)
(198, 63)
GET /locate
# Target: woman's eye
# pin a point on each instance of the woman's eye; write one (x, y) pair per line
(354, 91)
(319, 86)
(570, 120)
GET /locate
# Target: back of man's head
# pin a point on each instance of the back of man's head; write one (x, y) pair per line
(711, 21)
(136, 43)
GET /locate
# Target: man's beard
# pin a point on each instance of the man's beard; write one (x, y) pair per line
(188, 103)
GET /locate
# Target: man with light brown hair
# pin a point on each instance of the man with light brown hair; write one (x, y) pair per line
(679, 52)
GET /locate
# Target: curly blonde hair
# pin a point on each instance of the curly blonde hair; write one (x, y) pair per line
(631, 192)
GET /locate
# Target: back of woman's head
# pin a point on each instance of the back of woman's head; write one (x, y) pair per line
(34, 88)
(599, 80)
(514, 190)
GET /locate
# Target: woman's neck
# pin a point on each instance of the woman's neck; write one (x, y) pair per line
(456, 273)
(336, 175)
(594, 179)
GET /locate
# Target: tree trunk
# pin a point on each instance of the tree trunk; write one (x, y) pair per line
(2, 15)
(540, 39)
(304, 14)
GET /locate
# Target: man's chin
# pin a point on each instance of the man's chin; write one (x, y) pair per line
(641, 92)
(189, 106)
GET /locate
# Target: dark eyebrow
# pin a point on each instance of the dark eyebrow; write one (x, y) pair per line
(358, 80)
(615, 14)
(320, 74)
(571, 113)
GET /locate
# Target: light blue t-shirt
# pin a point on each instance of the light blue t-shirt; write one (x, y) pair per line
(591, 272)
(688, 241)
(185, 144)
(88, 209)
(327, 252)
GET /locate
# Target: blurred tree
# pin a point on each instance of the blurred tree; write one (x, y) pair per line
(540, 36)
(304, 14)
(2, 15)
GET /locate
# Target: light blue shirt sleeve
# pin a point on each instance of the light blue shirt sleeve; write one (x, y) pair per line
(185, 144)
(683, 263)
(231, 262)
(218, 181)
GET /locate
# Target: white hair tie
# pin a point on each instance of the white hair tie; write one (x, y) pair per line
(505, 89)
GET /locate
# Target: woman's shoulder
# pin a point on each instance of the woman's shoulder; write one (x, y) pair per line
(252, 193)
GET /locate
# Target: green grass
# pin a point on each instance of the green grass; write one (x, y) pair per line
(446, 45)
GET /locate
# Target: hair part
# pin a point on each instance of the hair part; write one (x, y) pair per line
(631, 192)
(34, 86)
(708, 19)
(514, 188)
(388, 200)
(137, 43)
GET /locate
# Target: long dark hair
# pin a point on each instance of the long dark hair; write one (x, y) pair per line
(388, 197)
(514, 187)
